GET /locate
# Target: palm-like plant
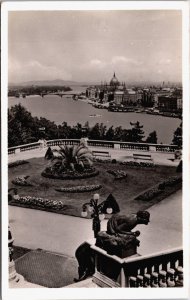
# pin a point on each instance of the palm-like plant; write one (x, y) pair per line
(72, 156)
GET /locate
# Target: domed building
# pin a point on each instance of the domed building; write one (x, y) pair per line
(114, 92)
(114, 81)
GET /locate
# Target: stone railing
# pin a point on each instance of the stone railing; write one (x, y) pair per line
(163, 269)
(96, 143)
(62, 142)
(26, 147)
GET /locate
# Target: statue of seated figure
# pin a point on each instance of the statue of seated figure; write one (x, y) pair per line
(119, 239)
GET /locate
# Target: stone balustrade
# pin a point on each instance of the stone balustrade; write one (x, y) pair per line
(62, 142)
(21, 148)
(99, 144)
(163, 269)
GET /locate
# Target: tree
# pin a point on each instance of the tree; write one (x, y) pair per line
(110, 134)
(21, 126)
(136, 133)
(101, 96)
(177, 137)
(95, 132)
(152, 138)
(72, 156)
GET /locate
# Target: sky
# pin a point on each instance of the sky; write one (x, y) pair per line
(89, 46)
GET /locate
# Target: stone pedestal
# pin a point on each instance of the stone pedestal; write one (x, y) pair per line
(13, 275)
(121, 245)
(123, 253)
(109, 269)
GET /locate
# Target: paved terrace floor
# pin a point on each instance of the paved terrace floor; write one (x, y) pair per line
(159, 158)
(63, 234)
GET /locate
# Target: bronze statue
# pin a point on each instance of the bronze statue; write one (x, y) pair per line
(119, 239)
(123, 224)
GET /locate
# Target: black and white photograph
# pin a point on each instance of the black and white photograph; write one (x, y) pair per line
(94, 164)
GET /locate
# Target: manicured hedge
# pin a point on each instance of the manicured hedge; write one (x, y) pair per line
(171, 181)
(149, 195)
(17, 163)
(138, 164)
(91, 172)
(167, 187)
(80, 188)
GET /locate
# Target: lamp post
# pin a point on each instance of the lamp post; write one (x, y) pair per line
(97, 213)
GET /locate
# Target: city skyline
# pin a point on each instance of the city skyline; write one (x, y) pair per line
(89, 46)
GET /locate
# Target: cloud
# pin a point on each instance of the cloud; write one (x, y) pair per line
(123, 59)
(34, 69)
(97, 63)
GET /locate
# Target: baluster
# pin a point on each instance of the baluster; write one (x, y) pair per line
(154, 281)
(133, 281)
(179, 277)
(162, 279)
(139, 280)
(146, 281)
(170, 278)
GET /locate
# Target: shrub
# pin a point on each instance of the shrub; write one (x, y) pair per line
(149, 195)
(17, 163)
(118, 174)
(114, 161)
(102, 160)
(162, 186)
(21, 181)
(171, 181)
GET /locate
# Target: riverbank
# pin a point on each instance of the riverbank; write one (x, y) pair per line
(64, 109)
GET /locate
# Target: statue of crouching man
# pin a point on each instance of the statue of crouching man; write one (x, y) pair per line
(117, 240)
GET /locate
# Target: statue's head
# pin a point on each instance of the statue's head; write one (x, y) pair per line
(143, 217)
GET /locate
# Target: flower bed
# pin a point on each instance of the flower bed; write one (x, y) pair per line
(36, 202)
(17, 163)
(102, 160)
(171, 181)
(168, 186)
(136, 164)
(86, 173)
(80, 188)
(21, 181)
(150, 194)
(118, 174)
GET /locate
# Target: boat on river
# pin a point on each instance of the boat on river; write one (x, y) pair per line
(95, 116)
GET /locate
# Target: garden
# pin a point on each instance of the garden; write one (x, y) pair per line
(53, 184)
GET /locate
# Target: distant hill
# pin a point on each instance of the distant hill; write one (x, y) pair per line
(57, 82)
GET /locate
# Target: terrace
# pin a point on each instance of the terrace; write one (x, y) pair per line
(70, 239)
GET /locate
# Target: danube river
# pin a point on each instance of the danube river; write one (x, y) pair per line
(65, 109)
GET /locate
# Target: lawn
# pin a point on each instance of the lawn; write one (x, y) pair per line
(47, 269)
(124, 190)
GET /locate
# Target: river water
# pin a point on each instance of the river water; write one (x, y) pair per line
(65, 109)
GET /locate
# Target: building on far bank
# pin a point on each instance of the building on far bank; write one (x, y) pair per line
(130, 97)
(163, 98)
(114, 92)
(167, 103)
